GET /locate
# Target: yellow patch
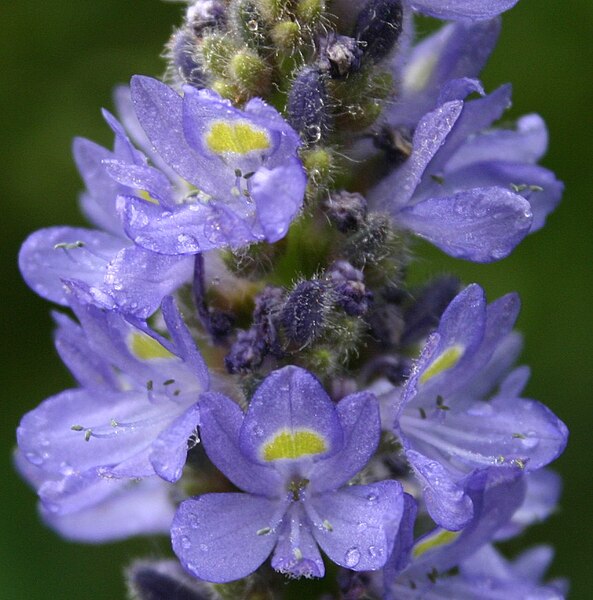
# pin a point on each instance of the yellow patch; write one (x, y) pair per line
(146, 348)
(447, 360)
(146, 196)
(237, 138)
(441, 538)
(294, 445)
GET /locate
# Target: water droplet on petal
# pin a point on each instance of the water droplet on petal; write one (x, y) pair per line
(185, 542)
(34, 458)
(372, 498)
(352, 557)
(361, 526)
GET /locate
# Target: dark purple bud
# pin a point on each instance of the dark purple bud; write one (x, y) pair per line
(378, 28)
(304, 314)
(183, 57)
(425, 313)
(370, 243)
(350, 292)
(247, 353)
(165, 580)
(266, 317)
(396, 143)
(205, 14)
(340, 56)
(346, 210)
(308, 108)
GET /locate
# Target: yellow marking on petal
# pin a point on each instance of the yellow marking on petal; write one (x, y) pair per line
(294, 445)
(237, 138)
(441, 538)
(146, 196)
(146, 348)
(447, 360)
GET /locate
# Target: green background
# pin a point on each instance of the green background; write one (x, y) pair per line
(59, 62)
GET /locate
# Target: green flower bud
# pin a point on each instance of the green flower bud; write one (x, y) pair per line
(309, 12)
(249, 23)
(217, 50)
(250, 73)
(286, 35)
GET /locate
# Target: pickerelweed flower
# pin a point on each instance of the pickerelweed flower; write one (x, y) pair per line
(268, 187)
(447, 417)
(135, 408)
(292, 452)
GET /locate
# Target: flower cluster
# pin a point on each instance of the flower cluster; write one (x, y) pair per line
(254, 375)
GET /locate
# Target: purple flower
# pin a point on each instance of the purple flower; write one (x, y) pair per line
(293, 453)
(132, 415)
(114, 271)
(100, 510)
(448, 429)
(472, 191)
(497, 495)
(248, 183)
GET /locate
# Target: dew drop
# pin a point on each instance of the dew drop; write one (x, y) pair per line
(204, 547)
(361, 526)
(193, 521)
(372, 498)
(34, 458)
(185, 542)
(375, 552)
(352, 556)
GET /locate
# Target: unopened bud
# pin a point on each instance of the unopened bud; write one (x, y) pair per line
(308, 106)
(340, 56)
(309, 12)
(184, 59)
(217, 50)
(346, 210)
(350, 292)
(286, 35)
(249, 72)
(205, 14)
(378, 28)
(246, 354)
(304, 314)
(249, 23)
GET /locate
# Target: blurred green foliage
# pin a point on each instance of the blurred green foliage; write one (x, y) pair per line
(59, 63)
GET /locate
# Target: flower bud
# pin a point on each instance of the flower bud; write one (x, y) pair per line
(249, 72)
(286, 35)
(304, 314)
(309, 12)
(350, 292)
(246, 354)
(378, 28)
(249, 23)
(308, 109)
(217, 50)
(340, 56)
(346, 210)
(205, 14)
(184, 59)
